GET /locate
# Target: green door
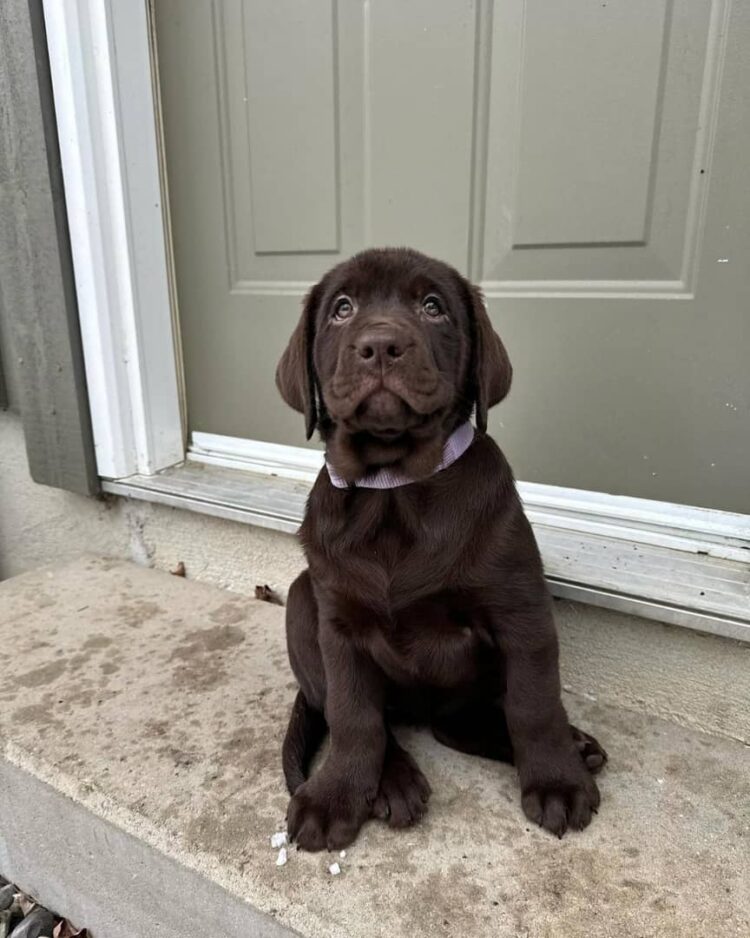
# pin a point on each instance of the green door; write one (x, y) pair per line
(584, 160)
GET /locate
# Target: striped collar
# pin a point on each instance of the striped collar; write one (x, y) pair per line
(455, 446)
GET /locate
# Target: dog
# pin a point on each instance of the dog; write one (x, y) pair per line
(424, 600)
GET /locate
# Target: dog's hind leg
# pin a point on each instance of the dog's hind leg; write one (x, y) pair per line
(306, 731)
(404, 791)
(302, 640)
(479, 728)
(474, 726)
(307, 726)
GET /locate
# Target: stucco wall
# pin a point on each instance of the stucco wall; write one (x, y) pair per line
(694, 679)
(40, 525)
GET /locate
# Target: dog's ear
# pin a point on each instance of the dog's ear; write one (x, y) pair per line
(295, 374)
(491, 370)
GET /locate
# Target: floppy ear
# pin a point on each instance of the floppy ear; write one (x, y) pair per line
(491, 370)
(295, 374)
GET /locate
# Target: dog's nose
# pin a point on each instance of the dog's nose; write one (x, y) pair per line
(380, 347)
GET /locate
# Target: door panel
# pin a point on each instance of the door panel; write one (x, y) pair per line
(289, 108)
(418, 108)
(618, 75)
(586, 161)
(594, 135)
(291, 90)
(275, 75)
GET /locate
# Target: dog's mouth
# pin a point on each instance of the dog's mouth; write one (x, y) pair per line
(385, 415)
(391, 417)
(387, 406)
(384, 429)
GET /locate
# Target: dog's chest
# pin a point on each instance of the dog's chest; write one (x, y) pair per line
(397, 555)
(401, 586)
(434, 640)
(417, 623)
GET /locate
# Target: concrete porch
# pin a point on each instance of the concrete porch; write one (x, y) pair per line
(141, 718)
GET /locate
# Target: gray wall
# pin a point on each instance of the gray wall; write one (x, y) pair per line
(39, 329)
(40, 525)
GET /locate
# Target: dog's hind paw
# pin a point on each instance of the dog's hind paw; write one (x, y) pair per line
(404, 791)
(591, 751)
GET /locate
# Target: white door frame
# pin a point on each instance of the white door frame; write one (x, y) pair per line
(103, 85)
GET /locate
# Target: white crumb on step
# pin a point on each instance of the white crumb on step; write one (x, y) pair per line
(660, 781)
(281, 858)
(278, 839)
(342, 854)
(334, 869)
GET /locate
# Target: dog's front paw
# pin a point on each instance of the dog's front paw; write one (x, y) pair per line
(560, 796)
(326, 813)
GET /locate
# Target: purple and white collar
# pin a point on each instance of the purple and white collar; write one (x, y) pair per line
(455, 446)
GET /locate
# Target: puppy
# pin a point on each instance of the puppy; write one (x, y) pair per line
(424, 599)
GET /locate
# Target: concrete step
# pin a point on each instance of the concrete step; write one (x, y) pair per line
(141, 718)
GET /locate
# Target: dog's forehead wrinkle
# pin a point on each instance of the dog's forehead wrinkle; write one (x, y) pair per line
(392, 270)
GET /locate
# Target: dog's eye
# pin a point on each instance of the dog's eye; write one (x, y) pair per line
(432, 306)
(343, 308)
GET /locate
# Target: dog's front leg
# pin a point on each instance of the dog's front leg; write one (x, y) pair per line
(328, 810)
(558, 791)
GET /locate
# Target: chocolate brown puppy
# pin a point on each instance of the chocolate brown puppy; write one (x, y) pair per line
(424, 599)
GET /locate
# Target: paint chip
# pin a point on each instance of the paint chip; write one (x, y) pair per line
(278, 839)
(334, 869)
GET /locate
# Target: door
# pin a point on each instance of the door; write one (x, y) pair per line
(584, 160)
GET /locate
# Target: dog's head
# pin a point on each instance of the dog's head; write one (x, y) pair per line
(392, 352)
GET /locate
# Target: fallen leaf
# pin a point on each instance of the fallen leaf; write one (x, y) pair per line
(267, 595)
(64, 929)
(26, 903)
(179, 570)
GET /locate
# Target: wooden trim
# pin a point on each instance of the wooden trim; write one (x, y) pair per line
(36, 277)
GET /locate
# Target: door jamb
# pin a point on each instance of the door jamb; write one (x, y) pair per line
(103, 83)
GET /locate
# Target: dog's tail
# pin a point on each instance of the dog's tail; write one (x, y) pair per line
(306, 731)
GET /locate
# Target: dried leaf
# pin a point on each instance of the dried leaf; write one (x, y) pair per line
(179, 570)
(64, 929)
(267, 595)
(26, 903)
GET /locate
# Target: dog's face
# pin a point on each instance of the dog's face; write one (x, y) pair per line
(392, 352)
